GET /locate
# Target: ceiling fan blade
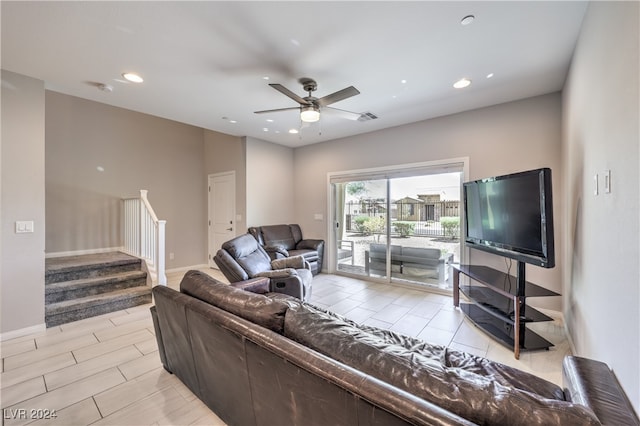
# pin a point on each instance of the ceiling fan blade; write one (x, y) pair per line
(280, 88)
(349, 115)
(276, 110)
(338, 96)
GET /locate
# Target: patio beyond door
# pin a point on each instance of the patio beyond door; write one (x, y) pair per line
(399, 228)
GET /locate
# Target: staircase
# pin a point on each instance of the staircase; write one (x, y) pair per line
(78, 287)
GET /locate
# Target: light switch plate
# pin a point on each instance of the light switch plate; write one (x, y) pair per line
(24, 226)
(317, 216)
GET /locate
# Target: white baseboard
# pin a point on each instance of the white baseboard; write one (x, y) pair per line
(83, 252)
(186, 268)
(22, 332)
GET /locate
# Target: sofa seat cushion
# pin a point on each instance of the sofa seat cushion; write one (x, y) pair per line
(309, 255)
(418, 368)
(265, 311)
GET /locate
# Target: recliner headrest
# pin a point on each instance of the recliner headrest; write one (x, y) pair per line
(241, 246)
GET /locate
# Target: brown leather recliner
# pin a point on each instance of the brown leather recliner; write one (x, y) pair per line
(286, 240)
(242, 258)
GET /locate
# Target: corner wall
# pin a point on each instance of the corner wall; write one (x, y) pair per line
(97, 154)
(22, 198)
(601, 131)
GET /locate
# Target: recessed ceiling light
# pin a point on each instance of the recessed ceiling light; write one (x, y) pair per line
(232, 121)
(490, 75)
(266, 77)
(269, 120)
(133, 77)
(293, 131)
(265, 129)
(403, 81)
(462, 83)
(467, 19)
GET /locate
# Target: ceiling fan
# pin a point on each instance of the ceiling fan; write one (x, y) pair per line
(310, 106)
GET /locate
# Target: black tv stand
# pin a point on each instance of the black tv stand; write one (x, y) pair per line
(498, 305)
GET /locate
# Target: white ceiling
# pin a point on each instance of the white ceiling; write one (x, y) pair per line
(204, 63)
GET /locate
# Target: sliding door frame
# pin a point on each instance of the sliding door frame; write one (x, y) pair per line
(388, 172)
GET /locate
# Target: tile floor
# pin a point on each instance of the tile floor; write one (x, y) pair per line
(106, 370)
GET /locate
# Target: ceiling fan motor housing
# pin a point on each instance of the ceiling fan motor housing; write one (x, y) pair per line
(308, 84)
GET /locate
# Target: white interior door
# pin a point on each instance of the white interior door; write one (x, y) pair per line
(222, 211)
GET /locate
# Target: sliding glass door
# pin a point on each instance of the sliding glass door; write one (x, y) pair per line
(399, 225)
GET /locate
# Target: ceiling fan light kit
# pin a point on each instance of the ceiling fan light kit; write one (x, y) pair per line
(310, 114)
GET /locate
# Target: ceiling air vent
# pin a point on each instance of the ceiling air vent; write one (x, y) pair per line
(366, 116)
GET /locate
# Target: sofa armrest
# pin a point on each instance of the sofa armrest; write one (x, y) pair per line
(592, 384)
(156, 327)
(276, 252)
(310, 245)
(258, 285)
(278, 273)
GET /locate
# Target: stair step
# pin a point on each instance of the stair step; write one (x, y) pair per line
(90, 306)
(74, 289)
(69, 268)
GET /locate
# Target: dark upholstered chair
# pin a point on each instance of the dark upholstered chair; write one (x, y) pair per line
(286, 241)
(242, 258)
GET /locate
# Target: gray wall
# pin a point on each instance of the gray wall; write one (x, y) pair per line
(225, 153)
(601, 131)
(501, 139)
(23, 193)
(270, 183)
(136, 151)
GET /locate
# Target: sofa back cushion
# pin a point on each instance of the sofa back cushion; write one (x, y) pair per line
(257, 308)
(478, 398)
(279, 236)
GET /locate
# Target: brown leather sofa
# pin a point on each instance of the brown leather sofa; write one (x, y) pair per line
(286, 240)
(268, 359)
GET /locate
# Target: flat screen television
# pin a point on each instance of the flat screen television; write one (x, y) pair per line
(512, 216)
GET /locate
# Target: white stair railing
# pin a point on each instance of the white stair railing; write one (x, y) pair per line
(144, 235)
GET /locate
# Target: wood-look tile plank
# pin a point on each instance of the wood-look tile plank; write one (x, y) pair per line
(22, 391)
(101, 348)
(147, 346)
(140, 312)
(84, 412)
(190, 413)
(11, 348)
(146, 411)
(90, 367)
(124, 328)
(127, 393)
(36, 368)
(141, 365)
(31, 357)
(70, 394)
(54, 339)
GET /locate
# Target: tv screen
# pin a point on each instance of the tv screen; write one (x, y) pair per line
(512, 215)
